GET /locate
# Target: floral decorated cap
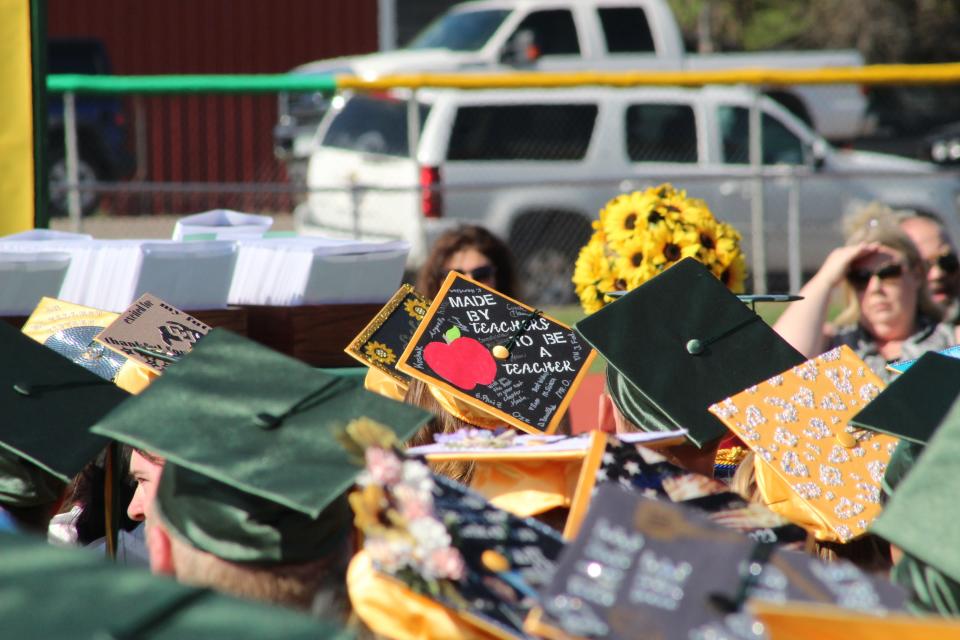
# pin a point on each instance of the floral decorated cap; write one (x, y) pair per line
(679, 343)
(916, 402)
(923, 510)
(51, 592)
(254, 472)
(440, 551)
(811, 464)
(49, 404)
(640, 234)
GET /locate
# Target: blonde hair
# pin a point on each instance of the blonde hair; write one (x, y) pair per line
(879, 223)
(316, 586)
(418, 394)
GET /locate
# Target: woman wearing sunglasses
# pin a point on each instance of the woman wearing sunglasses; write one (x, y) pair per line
(474, 252)
(889, 314)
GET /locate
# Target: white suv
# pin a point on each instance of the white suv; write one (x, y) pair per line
(534, 166)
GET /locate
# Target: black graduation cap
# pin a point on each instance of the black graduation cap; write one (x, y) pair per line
(679, 343)
(916, 402)
(49, 405)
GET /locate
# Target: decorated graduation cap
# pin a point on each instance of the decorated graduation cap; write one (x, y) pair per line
(70, 329)
(530, 475)
(678, 343)
(916, 402)
(811, 465)
(380, 343)
(51, 592)
(49, 404)
(802, 621)
(494, 359)
(619, 460)
(923, 511)
(254, 472)
(436, 553)
(645, 564)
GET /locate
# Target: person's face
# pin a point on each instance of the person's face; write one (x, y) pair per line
(937, 252)
(887, 291)
(473, 264)
(146, 473)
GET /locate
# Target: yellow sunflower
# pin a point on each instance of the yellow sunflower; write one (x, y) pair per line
(593, 274)
(379, 352)
(669, 243)
(735, 274)
(639, 235)
(619, 221)
(415, 308)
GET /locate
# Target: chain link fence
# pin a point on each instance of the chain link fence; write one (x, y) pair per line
(533, 165)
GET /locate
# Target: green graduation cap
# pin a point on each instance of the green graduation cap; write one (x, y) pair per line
(922, 516)
(48, 404)
(254, 471)
(50, 592)
(679, 343)
(916, 402)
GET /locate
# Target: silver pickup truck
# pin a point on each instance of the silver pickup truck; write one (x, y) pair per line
(535, 166)
(569, 35)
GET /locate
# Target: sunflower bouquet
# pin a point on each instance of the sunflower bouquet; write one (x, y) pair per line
(642, 233)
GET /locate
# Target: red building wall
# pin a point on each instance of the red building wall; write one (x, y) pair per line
(214, 138)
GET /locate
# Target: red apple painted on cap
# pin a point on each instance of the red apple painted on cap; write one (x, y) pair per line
(462, 361)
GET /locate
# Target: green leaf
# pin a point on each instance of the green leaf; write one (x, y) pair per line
(452, 334)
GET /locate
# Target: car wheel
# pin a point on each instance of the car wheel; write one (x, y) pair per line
(545, 274)
(87, 173)
(546, 245)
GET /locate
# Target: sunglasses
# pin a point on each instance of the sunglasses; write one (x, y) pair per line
(486, 272)
(948, 263)
(860, 278)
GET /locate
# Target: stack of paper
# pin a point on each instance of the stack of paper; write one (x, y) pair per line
(221, 224)
(28, 277)
(111, 274)
(314, 270)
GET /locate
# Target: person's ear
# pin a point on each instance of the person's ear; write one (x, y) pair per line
(160, 549)
(606, 414)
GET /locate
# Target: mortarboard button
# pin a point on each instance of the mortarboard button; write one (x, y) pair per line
(847, 440)
(23, 388)
(268, 421)
(500, 352)
(694, 347)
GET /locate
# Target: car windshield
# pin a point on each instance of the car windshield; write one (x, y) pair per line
(372, 125)
(460, 31)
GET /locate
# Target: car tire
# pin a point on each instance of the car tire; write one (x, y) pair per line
(546, 246)
(88, 171)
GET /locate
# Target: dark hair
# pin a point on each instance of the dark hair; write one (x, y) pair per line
(434, 270)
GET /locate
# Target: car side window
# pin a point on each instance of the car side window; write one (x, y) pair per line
(661, 133)
(626, 30)
(780, 145)
(522, 132)
(554, 32)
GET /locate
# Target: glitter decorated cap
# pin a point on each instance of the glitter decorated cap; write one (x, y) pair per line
(679, 343)
(923, 511)
(811, 465)
(49, 404)
(254, 470)
(916, 402)
(44, 589)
